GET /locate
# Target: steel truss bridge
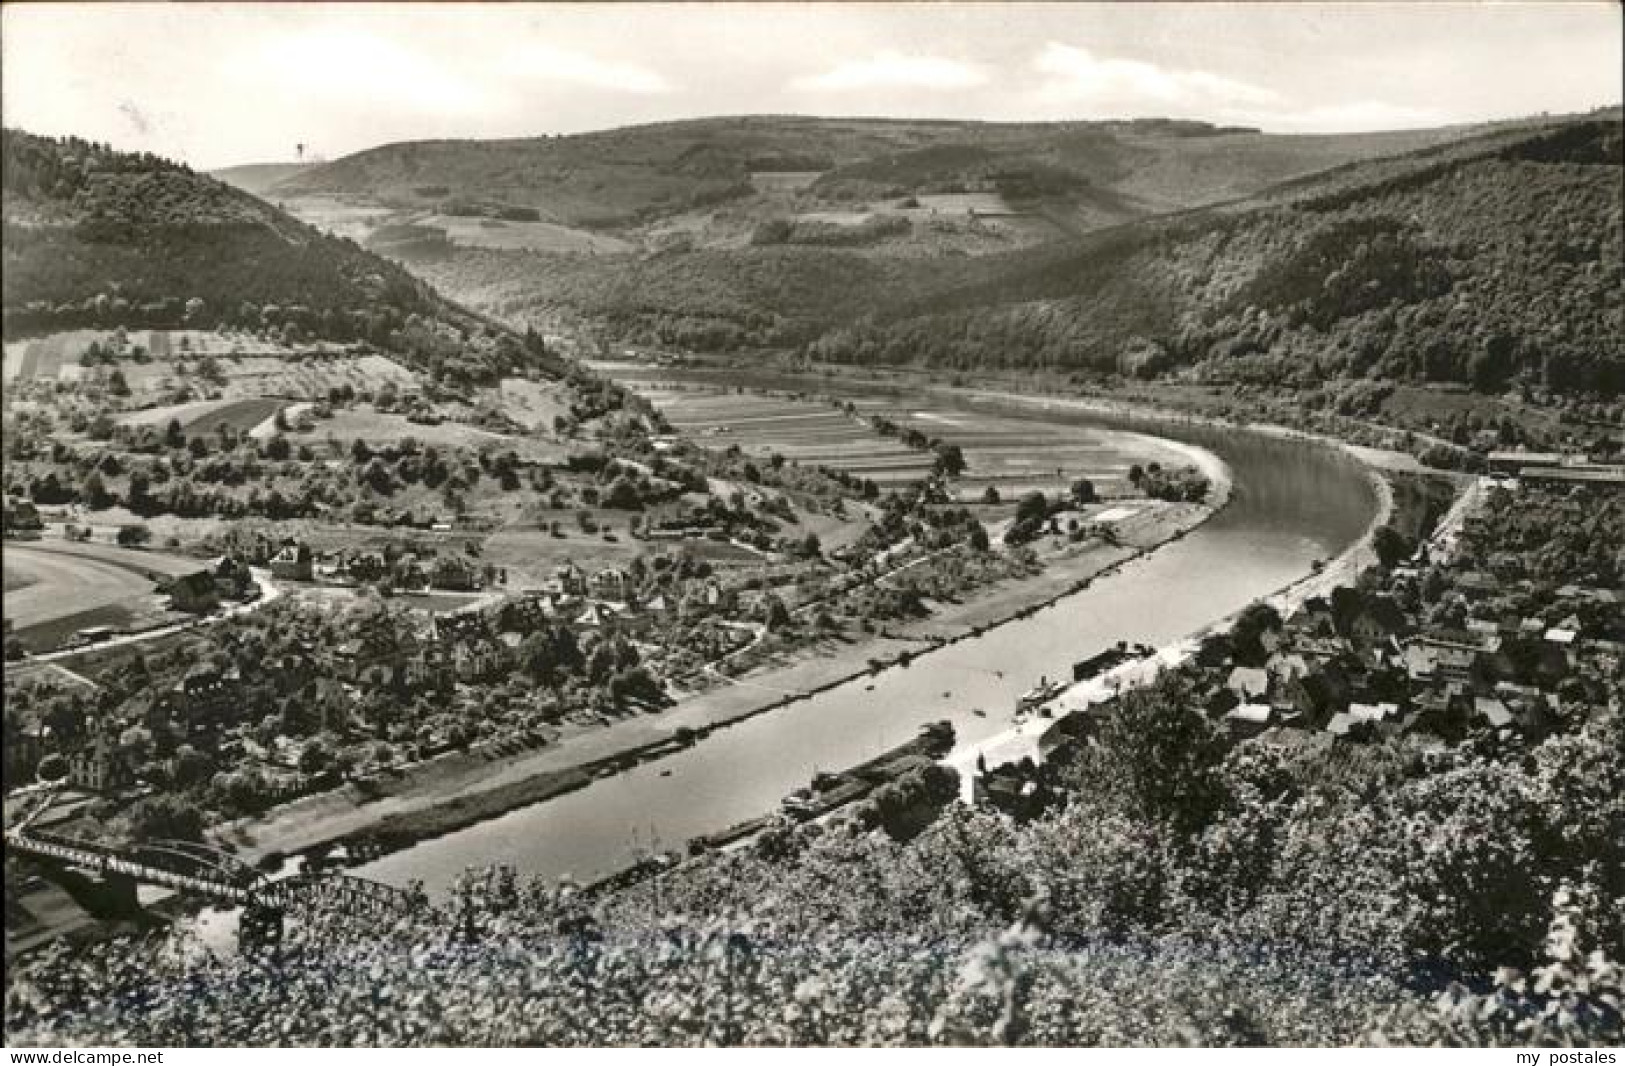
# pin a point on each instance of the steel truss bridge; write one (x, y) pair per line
(200, 870)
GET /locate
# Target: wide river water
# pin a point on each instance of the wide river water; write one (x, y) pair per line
(1292, 503)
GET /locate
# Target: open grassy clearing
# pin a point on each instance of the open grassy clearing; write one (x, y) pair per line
(381, 428)
(152, 565)
(62, 591)
(336, 215)
(783, 181)
(524, 236)
(532, 404)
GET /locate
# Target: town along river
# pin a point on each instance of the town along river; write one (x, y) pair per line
(1292, 503)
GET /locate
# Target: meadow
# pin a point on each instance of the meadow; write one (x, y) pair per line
(54, 589)
(802, 430)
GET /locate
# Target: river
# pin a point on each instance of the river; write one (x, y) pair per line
(1292, 504)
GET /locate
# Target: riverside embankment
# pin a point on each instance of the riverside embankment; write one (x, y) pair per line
(1293, 504)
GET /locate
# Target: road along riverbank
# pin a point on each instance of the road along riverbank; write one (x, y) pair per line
(1291, 506)
(460, 790)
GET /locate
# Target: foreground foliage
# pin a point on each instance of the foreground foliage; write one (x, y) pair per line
(1387, 895)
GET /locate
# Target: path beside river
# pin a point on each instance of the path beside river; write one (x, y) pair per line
(479, 787)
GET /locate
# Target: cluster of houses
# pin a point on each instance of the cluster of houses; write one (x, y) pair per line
(201, 710)
(1377, 674)
(480, 644)
(1358, 667)
(226, 579)
(446, 570)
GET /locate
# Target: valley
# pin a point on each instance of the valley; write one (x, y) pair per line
(791, 579)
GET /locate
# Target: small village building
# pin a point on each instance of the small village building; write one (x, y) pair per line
(1563, 638)
(1375, 713)
(1249, 719)
(293, 563)
(1249, 683)
(1477, 585)
(568, 580)
(480, 659)
(1377, 620)
(1492, 711)
(610, 583)
(1611, 477)
(454, 572)
(99, 767)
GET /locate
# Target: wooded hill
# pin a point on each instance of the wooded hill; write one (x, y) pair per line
(1486, 256)
(1487, 262)
(625, 176)
(100, 238)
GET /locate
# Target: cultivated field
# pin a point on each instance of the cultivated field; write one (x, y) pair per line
(250, 367)
(206, 416)
(1010, 454)
(806, 431)
(1017, 456)
(54, 589)
(45, 358)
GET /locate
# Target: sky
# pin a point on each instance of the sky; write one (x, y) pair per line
(221, 84)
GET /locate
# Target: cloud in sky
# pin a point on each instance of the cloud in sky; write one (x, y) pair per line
(1078, 76)
(558, 64)
(895, 70)
(241, 82)
(350, 65)
(1358, 116)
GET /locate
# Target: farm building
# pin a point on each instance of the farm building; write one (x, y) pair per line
(292, 563)
(609, 584)
(452, 572)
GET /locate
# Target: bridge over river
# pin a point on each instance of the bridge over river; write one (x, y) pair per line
(203, 872)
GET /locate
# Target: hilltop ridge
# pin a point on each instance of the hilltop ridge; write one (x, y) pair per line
(97, 238)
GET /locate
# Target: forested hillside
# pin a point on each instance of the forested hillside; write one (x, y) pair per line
(96, 238)
(1490, 266)
(1490, 259)
(620, 177)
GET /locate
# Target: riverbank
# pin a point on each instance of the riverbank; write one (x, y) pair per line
(1022, 740)
(458, 790)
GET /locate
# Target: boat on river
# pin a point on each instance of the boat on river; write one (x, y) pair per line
(1038, 695)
